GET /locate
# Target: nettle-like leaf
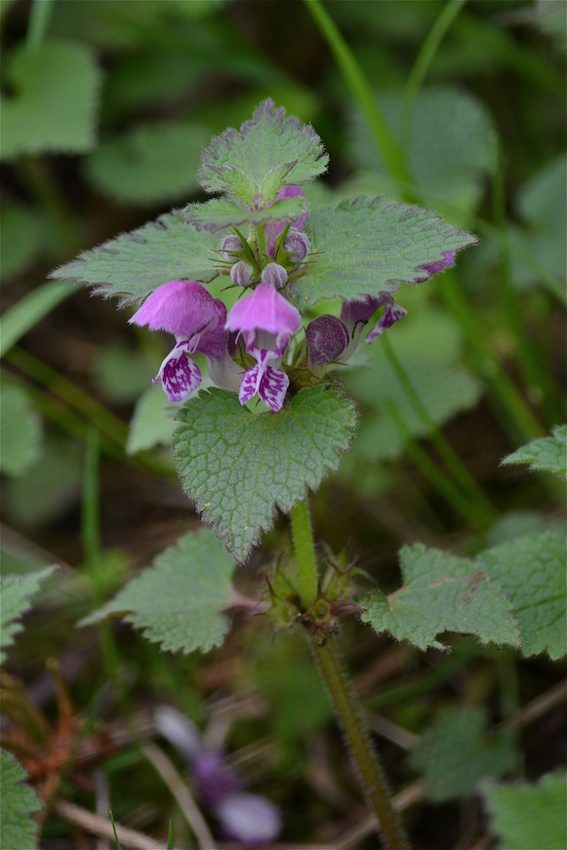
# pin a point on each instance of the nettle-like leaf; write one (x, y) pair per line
(135, 263)
(371, 245)
(151, 163)
(20, 431)
(548, 454)
(531, 571)
(530, 815)
(441, 593)
(457, 752)
(55, 100)
(16, 592)
(238, 467)
(178, 602)
(219, 213)
(269, 151)
(19, 803)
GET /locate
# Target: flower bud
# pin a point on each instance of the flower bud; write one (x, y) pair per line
(230, 246)
(327, 338)
(241, 273)
(274, 274)
(297, 245)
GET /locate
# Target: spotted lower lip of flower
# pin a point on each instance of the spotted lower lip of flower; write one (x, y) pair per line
(187, 310)
(267, 382)
(392, 313)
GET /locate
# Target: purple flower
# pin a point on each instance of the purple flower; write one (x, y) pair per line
(290, 191)
(429, 269)
(275, 228)
(355, 314)
(266, 320)
(215, 778)
(230, 246)
(241, 273)
(297, 245)
(185, 309)
(251, 820)
(327, 338)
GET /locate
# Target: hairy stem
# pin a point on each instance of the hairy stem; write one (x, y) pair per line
(305, 558)
(364, 757)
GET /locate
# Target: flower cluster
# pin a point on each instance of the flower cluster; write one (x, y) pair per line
(250, 350)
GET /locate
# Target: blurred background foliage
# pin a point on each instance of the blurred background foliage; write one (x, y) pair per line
(106, 105)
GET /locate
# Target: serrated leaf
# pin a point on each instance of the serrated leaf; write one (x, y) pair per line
(178, 601)
(20, 431)
(530, 816)
(457, 752)
(548, 454)
(371, 245)
(20, 239)
(19, 803)
(151, 424)
(135, 263)
(238, 467)
(16, 593)
(54, 105)
(269, 150)
(151, 163)
(428, 345)
(531, 571)
(219, 213)
(441, 593)
(450, 145)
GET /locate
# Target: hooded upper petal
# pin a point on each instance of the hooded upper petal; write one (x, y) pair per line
(180, 307)
(264, 310)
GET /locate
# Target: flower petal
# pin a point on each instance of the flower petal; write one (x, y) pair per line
(273, 388)
(327, 338)
(181, 307)
(264, 309)
(392, 313)
(180, 376)
(251, 820)
(447, 260)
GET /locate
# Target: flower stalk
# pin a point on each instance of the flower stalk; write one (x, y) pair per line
(364, 756)
(347, 708)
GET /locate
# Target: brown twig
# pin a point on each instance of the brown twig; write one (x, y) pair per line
(102, 827)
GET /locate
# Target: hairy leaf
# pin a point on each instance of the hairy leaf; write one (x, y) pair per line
(441, 593)
(371, 245)
(222, 212)
(135, 263)
(16, 592)
(151, 163)
(548, 454)
(530, 815)
(20, 431)
(178, 601)
(238, 466)
(531, 571)
(269, 151)
(54, 105)
(19, 803)
(457, 752)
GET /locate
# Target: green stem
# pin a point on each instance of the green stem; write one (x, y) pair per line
(365, 758)
(37, 25)
(305, 558)
(354, 77)
(424, 59)
(440, 482)
(501, 385)
(480, 505)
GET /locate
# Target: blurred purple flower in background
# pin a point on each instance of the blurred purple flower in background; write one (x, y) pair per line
(249, 819)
